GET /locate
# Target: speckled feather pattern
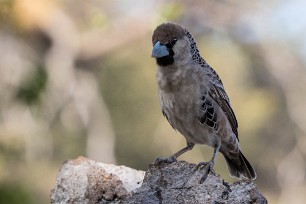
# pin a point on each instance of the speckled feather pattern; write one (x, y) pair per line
(194, 101)
(217, 89)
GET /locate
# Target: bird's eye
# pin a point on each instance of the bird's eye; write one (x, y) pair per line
(173, 41)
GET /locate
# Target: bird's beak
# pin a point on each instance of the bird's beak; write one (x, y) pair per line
(159, 50)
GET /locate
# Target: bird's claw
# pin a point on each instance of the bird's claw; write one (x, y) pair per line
(209, 168)
(167, 160)
(201, 165)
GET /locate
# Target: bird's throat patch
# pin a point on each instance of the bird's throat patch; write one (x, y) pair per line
(165, 61)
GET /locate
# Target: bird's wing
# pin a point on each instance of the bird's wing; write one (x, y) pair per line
(217, 92)
(166, 116)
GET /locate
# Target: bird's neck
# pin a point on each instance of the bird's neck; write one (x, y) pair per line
(168, 77)
(196, 57)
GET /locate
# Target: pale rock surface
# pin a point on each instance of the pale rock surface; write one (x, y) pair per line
(85, 181)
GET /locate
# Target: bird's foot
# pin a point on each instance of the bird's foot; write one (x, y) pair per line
(167, 160)
(209, 168)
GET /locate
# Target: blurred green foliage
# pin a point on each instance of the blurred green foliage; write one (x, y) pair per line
(132, 98)
(12, 193)
(32, 87)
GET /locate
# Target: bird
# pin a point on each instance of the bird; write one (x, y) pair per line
(194, 101)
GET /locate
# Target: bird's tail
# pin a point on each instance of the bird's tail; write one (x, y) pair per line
(239, 167)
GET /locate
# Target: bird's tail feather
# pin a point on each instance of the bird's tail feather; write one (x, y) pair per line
(240, 167)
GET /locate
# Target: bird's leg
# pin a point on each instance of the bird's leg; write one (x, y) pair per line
(209, 166)
(173, 158)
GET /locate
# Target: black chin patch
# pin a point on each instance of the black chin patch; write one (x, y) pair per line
(165, 61)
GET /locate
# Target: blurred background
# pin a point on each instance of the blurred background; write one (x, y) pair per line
(76, 78)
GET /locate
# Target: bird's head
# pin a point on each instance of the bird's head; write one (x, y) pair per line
(171, 44)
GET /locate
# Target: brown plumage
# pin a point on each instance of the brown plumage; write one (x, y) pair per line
(164, 32)
(194, 101)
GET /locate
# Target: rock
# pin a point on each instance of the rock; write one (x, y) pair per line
(179, 183)
(86, 181)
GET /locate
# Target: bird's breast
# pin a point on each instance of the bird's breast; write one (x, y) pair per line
(178, 97)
